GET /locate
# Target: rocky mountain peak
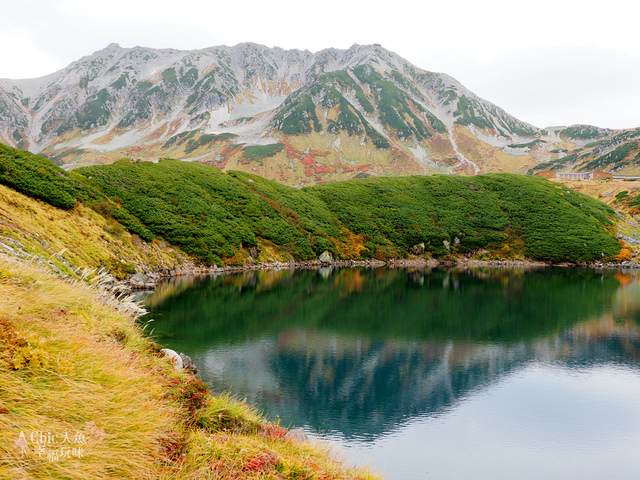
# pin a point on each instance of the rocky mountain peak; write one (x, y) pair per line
(296, 116)
(112, 47)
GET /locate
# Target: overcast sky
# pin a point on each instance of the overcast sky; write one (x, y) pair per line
(548, 62)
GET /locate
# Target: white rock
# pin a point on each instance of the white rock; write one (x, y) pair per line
(132, 308)
(174, 358)
(297, 434)
(325, 257)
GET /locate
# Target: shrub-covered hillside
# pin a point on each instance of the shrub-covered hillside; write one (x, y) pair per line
(236, 218)
(515, 214)
(205, 212)
(38, 178)
(213, 214)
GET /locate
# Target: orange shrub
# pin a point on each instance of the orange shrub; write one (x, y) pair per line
(624, 255)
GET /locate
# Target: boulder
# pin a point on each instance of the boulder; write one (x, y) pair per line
(108, 281)
(326, 257)
(131, 308)
(297, 434)
(418, 249)
(188, 364)
(174, 358)
(138, 278)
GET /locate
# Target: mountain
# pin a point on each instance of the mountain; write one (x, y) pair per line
(596, 149)
(293, 116)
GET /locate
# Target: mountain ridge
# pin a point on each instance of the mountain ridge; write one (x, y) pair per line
(290, 115)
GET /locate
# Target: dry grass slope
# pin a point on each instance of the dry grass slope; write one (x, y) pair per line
(68, 359)
(77, 237)
(72, 363)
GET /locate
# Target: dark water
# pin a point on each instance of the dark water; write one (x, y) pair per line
(475, 374)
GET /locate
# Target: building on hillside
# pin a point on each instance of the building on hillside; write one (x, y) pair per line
(575, 175)
(601, 175)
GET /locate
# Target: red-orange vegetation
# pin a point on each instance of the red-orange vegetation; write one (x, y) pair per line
(263, 463)
(350, 245)
(624, 255)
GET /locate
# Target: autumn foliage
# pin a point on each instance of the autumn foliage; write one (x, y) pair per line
(624, 255)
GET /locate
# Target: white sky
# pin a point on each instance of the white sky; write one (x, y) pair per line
(548, 62)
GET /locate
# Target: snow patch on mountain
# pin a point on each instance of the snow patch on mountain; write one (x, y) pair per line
(422, 155)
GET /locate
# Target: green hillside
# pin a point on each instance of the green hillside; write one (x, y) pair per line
(38, 178)
(207, 213)
(518, 215)
(237, 218)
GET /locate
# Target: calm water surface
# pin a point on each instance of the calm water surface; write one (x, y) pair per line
(429, 374)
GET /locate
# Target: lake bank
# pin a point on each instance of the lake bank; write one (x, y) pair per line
(149, 281)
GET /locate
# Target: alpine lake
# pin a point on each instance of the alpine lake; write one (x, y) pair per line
(444, 374)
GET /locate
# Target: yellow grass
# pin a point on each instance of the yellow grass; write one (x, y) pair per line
(90, 368)
(61, 238)
(76, 369)
(603, 190)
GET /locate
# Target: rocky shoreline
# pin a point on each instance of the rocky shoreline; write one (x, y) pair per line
(149, 279)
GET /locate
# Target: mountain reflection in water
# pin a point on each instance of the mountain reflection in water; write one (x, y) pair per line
(360, 352)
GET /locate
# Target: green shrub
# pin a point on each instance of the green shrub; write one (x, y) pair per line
(207, 213)
(622, 195)
(470, 113)
(37, 177)
(583, 132)
(213, 215)
(613, 158)
(394, 214)
(257, 153)
(394, 109)
(298, 116)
